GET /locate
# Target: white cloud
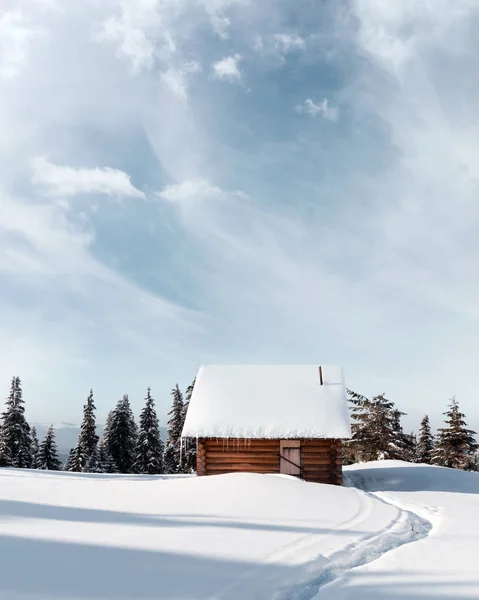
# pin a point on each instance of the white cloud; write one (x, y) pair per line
(216, 10)
(176, 80)
(331, 113)
(142, 32)
(190, 191)
(65, 181)
(286, 42)
(227, 68)
(16, 34)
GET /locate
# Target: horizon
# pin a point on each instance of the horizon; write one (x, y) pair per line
(191, 182)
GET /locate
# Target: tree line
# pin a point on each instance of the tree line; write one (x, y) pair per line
(124, 447)
(377, 434)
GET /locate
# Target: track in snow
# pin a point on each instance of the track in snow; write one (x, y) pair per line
(407, 528)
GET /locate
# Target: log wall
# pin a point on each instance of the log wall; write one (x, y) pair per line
(320, 459)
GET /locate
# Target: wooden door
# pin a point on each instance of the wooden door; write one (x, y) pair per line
(290, 461)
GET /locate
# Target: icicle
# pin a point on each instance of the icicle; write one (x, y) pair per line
(181, 450)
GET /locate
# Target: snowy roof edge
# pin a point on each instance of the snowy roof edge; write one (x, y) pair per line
(268, 402)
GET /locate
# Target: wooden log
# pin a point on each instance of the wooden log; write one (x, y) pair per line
(230, 452)
(245, 467)
(273, 460)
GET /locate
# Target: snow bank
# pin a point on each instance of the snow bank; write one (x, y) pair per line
(229, 537)
(441, 565)
(266, 401)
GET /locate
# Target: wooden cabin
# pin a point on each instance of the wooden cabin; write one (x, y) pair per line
(269, 419)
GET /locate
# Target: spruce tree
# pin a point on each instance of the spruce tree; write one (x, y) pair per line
(425, 443)
(149, 446)
(77, 463)
(15, 430)
(122, 435)
(48, 453)
(175, 425)
(94, 464)
(376, 431)
(87, 439)
(188, 462)
(106, 462)
(5, 456)
(456, 444)
(34, 445)
(69, 461)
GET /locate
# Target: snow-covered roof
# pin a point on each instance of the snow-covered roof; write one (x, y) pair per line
(268, 401)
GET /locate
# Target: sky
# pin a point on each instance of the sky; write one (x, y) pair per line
(185, 182)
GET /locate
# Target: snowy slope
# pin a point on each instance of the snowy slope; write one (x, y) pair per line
(445, 563)
(117, 537)
(413, 535)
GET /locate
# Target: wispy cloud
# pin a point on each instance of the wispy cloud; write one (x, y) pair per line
(16, 33)
(66, 181)
(176, 79)
(323, 109)
(227, 69)
(279, 43)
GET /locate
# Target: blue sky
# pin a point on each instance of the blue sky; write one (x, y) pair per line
(229, 181)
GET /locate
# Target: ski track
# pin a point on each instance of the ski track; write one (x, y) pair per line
(410, 526)
(407, 527)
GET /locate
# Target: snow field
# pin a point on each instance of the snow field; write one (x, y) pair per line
(410, 533)
(232, 536)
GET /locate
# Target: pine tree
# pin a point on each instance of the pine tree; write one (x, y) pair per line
(15, 430)
(403, 446)
(76, 460)
(106, 462)
(48, 453)
(376, 431)
(149, 446)
(34, 446)
(425, 444)
(456, 445)
(175, 425)
(188, 462)
(94, 464)
(122, 435)
(69, 461)
(87, 439)
(5, 456)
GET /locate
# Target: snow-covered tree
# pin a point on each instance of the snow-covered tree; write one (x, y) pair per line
(456, 444)
(106, 462)
(48, 453)
(5, 456)
(94, 463)
(122, 435)
(76, 460)
(16, 431)
(376, 430)
(34, 446)
(425, 443)
(188, 459)
(88, 438)
(175, 426)
(149, 446)
(403, 445)
(69, 461)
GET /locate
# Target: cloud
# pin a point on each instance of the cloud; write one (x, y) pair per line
(176, 80)
(227, 69)
(65, 181)
(142, 33)
(216, 10)
(16, 34)
(279, 43)
(188, 191)
(330, 113)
